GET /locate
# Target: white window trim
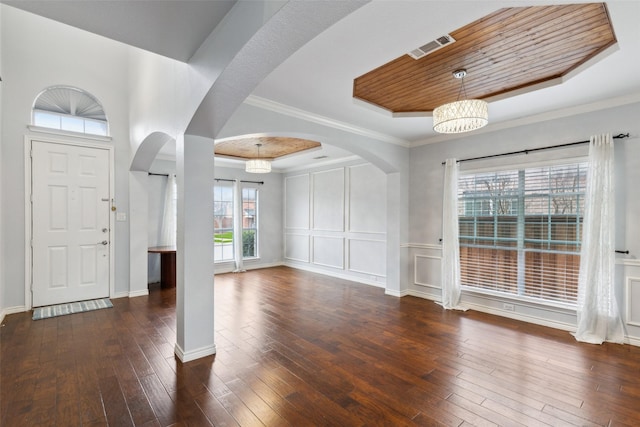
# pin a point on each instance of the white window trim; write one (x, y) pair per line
(68, 133)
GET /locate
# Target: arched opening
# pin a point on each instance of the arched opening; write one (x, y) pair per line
(69, 109)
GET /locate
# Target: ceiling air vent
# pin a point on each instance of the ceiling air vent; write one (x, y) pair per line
(431, 46)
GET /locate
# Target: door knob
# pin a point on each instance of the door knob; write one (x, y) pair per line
(104, 242)
(104, 230)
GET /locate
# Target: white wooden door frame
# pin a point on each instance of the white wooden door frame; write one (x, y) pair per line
(28, 255)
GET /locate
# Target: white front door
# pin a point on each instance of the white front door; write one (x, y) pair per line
(70, 214)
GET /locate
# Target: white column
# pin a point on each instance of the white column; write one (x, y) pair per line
(194, 257)
(138, 234)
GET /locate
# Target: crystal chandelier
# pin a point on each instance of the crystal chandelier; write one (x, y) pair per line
(462, 115)
(258, 165)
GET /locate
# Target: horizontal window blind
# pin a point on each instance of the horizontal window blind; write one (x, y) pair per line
(520, 230)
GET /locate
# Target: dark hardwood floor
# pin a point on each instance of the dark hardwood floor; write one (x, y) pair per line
(300, 349)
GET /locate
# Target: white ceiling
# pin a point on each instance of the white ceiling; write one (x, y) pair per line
(318, 78)
(173, 28)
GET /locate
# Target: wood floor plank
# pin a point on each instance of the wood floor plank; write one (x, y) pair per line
(297, 348)
(214, 411)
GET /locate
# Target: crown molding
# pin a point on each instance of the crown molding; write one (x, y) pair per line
(287, 110)
(543, 117)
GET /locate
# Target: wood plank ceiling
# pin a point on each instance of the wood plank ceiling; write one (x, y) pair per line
(272, 147)
(508, 50)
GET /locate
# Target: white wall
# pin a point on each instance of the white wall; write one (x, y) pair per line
(426, 203)
(335, 221)
(38, 53)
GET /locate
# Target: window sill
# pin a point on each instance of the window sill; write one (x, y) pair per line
(527, 301)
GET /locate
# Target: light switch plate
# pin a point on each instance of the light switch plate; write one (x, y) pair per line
(121, 216)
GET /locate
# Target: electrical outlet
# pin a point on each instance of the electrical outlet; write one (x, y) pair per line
(509, 307)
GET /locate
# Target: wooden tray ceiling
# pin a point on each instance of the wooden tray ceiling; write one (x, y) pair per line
(272, 147)
(508, 50)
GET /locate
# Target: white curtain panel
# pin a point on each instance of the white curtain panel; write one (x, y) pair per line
(450, 245)
(598, 315)
(237, 227)
(169, 217)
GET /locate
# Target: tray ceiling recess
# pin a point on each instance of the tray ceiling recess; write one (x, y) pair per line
(508, 52)
(272, 147)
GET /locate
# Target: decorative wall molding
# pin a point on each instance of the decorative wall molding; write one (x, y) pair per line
(628, 262)
(421, 246)
(308, 244)
(277, 107)
(416, 270)
(352, 249)
(632, 289)
(317, 240)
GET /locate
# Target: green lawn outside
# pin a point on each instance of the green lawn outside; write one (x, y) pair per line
(223, 237)
(248, 241)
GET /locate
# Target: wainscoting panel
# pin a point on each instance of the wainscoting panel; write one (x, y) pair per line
(328, 200)
(328, 251)
(368, 256)
(296, 247)
(427, 271)
(633, 301)
(367, 199)
(297, 198)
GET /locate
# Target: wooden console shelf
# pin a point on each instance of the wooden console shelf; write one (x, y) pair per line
(167, 265)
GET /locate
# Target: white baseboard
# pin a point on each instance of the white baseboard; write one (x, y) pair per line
(140, 293)
(229, 268)
(522, 317)
(15, 309)
(518, 316)
(425, 295)
(336, 275)
(194, 354)
(504, 313)
(120, 295)
(633, 341)
(398, 294)
(12, 310)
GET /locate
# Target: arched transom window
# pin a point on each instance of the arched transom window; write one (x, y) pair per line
(70, 109)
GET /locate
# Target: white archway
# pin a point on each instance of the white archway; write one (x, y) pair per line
(250, 51)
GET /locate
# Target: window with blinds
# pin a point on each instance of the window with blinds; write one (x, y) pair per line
(520, 231)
